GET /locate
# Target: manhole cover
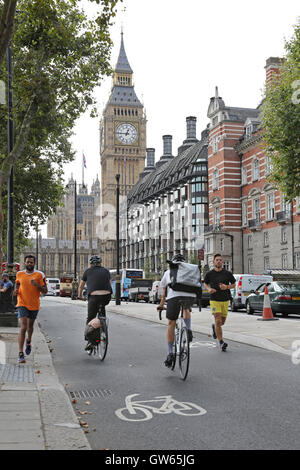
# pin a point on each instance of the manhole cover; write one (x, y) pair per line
(16, 373)
(83, 394)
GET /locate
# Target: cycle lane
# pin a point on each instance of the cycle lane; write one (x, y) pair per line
(218, 382)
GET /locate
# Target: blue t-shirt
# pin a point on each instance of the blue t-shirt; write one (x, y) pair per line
(6, 284)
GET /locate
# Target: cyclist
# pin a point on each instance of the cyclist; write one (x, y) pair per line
(97, 280)
(218, 282)
(174, 300)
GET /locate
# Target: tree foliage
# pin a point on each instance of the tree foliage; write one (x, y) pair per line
(59, 57)
(281, 121)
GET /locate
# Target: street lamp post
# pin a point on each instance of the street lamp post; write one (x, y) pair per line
(10, 186)
(75, 231)
(118, 287)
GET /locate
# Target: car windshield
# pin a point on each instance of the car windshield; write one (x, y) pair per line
(290, 286)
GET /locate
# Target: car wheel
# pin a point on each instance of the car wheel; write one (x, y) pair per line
(233, 307)
(283, 314)
(249, 309)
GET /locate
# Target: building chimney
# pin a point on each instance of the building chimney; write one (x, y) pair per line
(272, 69)
(150, 163)
(191, 138)
(191, 127)
(150, 157)
(167, 139)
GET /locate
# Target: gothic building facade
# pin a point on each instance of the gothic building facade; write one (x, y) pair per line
(55, 254)
(122, 149)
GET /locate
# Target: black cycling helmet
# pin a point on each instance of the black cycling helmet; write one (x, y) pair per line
(95, 259)
(177, 259)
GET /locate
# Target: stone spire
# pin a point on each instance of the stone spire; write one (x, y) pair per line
(122, 63)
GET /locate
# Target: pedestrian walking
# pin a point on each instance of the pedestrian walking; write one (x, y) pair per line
(218, 282)
(30, 283)
(75, 285)
(6, 304)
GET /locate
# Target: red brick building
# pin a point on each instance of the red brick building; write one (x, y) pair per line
(249, 222)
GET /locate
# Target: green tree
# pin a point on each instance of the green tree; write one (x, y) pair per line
(59, 57)
(281, 121)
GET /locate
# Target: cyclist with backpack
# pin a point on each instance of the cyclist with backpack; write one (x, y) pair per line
(97, 280)
(173, 292)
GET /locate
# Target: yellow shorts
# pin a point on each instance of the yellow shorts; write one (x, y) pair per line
(219, 307)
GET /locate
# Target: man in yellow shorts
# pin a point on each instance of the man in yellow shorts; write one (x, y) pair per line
(218, 282)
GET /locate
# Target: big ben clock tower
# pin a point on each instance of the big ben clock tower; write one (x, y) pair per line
(122, 148)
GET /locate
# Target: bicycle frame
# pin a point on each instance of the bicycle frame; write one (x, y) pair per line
(181, 344)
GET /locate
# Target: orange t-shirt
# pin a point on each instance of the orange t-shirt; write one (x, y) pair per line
(29, 295)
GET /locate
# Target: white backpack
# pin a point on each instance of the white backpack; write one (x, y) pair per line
(185, 277)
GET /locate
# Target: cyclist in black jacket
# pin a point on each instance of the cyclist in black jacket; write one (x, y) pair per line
(97, 280)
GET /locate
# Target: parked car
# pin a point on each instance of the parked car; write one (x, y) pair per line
(53, 285)
(245, 283)
(139, 290)
(155, 293)
(284, 298)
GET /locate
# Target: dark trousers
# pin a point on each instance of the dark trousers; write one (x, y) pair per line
(94, 303)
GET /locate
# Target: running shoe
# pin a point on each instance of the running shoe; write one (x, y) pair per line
(28, 348)
(89, 347)
(223, 345)
(21, 358)
(169, 361)
(213, 331)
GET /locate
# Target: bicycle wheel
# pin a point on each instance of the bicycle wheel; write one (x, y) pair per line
(184, 353)
(102, 346)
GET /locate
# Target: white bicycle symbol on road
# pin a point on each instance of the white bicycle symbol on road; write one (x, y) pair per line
(143, 410)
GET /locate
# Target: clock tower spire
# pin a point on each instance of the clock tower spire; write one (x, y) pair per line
(122, 146)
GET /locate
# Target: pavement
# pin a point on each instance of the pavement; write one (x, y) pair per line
(35, 409)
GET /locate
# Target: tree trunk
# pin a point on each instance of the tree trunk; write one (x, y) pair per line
(6, 26)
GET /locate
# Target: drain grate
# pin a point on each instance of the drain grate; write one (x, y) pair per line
(97, 393)
(16, 373)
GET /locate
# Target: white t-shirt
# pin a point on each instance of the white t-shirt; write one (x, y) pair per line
(170, 292)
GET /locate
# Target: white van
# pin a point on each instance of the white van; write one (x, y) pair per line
(155, 293)
(245, 283)
(53, 285)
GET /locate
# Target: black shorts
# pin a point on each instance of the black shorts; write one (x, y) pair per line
(94, 302)
(174, 306)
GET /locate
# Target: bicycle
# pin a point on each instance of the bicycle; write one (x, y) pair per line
(181, 345)
(101, 347)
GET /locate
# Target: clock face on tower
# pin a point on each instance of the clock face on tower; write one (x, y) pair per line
(126, 133)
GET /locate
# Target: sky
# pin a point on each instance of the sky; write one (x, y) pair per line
(179, 52)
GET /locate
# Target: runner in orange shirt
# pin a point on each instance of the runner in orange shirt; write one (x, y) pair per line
(29, 285)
